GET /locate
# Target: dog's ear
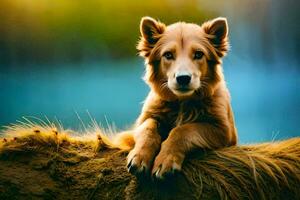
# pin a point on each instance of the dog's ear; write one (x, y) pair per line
(151, 30)
(217, 30)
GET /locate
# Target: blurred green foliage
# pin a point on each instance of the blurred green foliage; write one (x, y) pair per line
(72, 30)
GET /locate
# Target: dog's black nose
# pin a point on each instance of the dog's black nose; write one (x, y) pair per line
(183, 80)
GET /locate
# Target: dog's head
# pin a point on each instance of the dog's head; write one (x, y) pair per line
(183, 59)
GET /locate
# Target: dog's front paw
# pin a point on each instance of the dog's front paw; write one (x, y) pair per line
(139, 161)
(167, 164)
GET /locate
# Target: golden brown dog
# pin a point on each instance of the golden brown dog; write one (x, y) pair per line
(188, 106)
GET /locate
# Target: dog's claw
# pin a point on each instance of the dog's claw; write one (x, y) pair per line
(132, 169)
(135, 170)
(156, 173)
(143, 169)
(128, 165)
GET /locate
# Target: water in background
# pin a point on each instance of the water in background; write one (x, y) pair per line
(262, 68)
(266, 106)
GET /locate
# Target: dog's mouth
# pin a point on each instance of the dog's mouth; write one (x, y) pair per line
(183, 91)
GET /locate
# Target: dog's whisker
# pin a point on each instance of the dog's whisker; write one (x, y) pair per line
(164, 85)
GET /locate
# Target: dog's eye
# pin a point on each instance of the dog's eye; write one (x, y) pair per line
(198, 55)
(168, 55)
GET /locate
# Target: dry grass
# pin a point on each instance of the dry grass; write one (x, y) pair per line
(59, 163)
(49, 133)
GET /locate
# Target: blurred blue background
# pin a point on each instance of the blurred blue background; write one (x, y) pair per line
(63, 58)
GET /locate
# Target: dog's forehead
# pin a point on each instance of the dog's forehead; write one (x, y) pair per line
(183, 28)
(183, 31)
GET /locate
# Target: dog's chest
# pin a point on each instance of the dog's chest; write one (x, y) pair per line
(178, 113)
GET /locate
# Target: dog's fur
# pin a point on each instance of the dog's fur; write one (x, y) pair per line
(173, 120)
